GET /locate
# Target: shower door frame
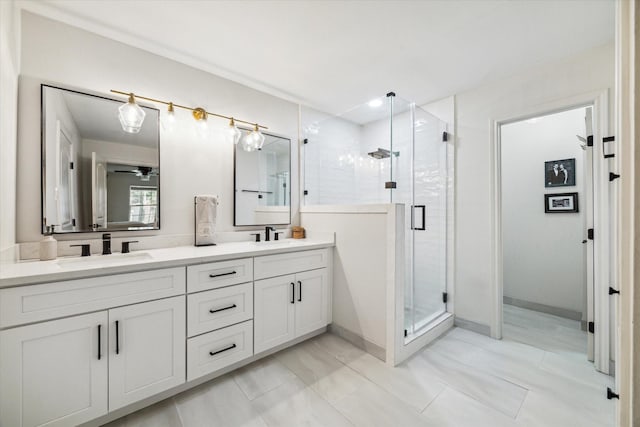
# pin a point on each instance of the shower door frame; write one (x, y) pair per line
(404, 348)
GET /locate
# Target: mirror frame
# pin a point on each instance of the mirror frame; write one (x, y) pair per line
(235, 174)
(43, 156)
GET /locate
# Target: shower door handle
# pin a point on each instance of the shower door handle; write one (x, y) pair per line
(423, 209)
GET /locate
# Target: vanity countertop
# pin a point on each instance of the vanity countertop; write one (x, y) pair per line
(68, 268)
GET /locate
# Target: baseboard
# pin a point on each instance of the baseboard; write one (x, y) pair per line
(476, 327)
(359, 341)
(543, 308)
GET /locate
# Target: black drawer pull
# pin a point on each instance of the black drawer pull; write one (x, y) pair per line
(223, 309)
(213, 353)
(293, 293)
(300, 291)
(222, 274)
(99, 342)
(117, 337)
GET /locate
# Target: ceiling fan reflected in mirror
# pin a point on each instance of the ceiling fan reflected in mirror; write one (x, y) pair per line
(143, 172)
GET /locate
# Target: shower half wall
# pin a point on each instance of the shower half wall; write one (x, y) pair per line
(387, 155)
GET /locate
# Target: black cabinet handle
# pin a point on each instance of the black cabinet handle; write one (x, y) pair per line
(99, 342)
(299, 291)
(293, 293)
(222, 274)
(223, 309)
(117, 337)
(213, 353)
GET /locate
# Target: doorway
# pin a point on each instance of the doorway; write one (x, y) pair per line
(547, 212)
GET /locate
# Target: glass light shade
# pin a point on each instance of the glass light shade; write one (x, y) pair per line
(169, 121)
(131, 116)
(203, 128)
(233, 133)
(253, 141)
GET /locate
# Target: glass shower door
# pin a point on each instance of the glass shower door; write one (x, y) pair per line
(422, 186)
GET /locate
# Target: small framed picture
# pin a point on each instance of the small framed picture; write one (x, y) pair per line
(561, 203)
(560, 173)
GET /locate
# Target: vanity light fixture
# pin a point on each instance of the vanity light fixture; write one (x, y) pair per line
(255, 138)
(131, 115)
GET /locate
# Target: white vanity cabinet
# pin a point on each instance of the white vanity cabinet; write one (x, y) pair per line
(146, 350)
(54, 373)
(292, 305)
(68, 371)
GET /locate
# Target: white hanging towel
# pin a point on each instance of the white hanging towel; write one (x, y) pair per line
(206, 212)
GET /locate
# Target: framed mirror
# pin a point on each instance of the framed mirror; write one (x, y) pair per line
(96, 176)
(262, 183)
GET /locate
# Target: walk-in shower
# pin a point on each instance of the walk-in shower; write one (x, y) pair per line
(389, 152)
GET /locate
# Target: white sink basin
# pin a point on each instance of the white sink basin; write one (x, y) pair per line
(103, 260)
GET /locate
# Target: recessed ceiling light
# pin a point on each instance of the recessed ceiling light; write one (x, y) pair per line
(375, 103)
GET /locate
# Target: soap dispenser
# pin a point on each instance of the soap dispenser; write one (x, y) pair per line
(48, 245)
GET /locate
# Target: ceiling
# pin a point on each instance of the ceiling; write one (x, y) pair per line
(336, 54)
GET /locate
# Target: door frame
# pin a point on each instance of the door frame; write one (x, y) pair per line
(601, 216)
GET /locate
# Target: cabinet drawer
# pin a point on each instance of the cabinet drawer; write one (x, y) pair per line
(216, 350)
(50, 300)
(210, 310)
(281, 264)
(219, 274)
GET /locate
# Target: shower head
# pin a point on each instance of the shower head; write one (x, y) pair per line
(381, 153)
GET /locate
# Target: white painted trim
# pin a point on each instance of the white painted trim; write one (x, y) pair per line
(599, 100)
(626, 122)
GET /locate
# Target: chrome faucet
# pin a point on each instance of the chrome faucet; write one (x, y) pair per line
(267, 233)
(106, 244)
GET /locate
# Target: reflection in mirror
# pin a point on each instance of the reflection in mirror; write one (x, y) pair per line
(263, 183)
(95, 176)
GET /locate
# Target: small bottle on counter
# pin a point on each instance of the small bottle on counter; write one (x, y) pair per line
(48, 245)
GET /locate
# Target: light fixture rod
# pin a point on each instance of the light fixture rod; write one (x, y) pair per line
(184, 107)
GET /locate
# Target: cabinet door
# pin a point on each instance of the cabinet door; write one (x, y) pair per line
(54, 373)
(274, 312)
(146, 350)
(311, 301)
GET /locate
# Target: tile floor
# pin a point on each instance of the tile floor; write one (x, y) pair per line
(536, 376)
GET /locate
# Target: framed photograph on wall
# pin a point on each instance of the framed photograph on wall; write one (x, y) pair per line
(560, 173)
(561, 203)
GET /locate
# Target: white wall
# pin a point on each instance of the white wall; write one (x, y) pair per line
(190, 165)
(360, 260)
(9, 71)
(476, 110)
(544, 258)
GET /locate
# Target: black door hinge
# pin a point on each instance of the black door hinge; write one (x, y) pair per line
(390, 184)
(604, 140)
(306, 192)
(590, 141)
(611, 394)
(613, 291)
(71, 165)
(591, 327)
(445, 136)
(305, 141)
(613, 176)
(406, 333)
(444, 297)
(73, 222)
(590, 234)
